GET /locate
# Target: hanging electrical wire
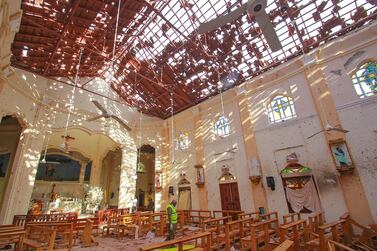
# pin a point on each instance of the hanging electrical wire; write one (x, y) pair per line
(71, 102)
(43, 161)
(172, 128)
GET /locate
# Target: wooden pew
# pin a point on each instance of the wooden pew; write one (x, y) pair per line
(224, 213)
(200, 242)
(158, 222)
(337, 231)
(13, 237)
(286, 245)
(366, 240)
(40, 238)
(261, 233)
(314, 221)
(234, 231)
(292, 217)
(87, 238)
(23, 220)
(270, 216)
(256, 216)
(296, 231)
(80, 224)
(216, 227)
(64, 232)
(198, 216)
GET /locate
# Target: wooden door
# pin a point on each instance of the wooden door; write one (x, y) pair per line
(230, 199)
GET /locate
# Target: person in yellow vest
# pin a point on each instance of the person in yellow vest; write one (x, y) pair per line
(171, 219)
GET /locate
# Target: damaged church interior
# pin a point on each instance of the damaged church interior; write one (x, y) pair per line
(188, 125)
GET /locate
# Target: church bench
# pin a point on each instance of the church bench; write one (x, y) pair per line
(198, 216)
(13, 237)
(119, 225)
(296, 231)
(200, 241)
(158, 222)
(336, 231)
(254, 215)
(23, 220)
(105, 215)
(79, 224)
(286, 245)
(64, 232)
(40, 238)
(87, 238)
(224, 213)
(216, 227)
(314, 221)
(262, 232)
(270, 216)
(234, 231)
(10, 228)
(365, 240)
(288, 218)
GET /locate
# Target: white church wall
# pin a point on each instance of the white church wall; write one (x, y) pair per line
(359, 116)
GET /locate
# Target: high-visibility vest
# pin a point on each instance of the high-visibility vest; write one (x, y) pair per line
(174, 215)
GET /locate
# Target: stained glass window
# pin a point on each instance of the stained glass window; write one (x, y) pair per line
(222, 127)
(183, 140)
(365, 80)
(281, 108)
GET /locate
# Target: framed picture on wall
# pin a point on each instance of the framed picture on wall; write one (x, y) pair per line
(341, 155)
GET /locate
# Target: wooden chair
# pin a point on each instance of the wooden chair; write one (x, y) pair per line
(261, 233)
(199, 242)
(40, 238)
(292, 217)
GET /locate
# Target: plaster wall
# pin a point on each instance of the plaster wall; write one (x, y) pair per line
(276, 141)
(359, 116)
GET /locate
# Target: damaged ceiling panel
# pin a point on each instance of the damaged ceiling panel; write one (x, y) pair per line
(158, 50)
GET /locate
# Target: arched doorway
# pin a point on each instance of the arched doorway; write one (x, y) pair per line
(230, 198)
(10, 131)
(145, 183)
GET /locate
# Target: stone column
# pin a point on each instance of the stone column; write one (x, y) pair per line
(82, 171)
(352, 188)
(251, 148)
(127, 185)
(95, 173)
(21, 180)
(199, 154)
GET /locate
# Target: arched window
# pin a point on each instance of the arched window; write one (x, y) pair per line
(183, 140)
(222, 127)
(281, 108)
(365, 79)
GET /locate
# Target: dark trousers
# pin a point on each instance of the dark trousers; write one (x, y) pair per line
(171, 231)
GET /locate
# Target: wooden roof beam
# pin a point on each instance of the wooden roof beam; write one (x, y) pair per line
(62, 34)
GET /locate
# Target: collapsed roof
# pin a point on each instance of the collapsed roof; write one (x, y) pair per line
(158, 52)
